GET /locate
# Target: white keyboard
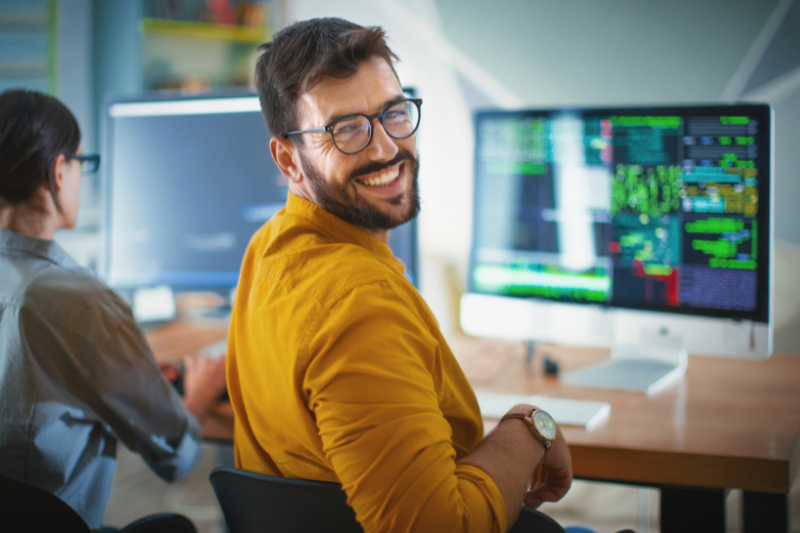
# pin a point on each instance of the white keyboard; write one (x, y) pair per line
(212, 351)
(564, 411)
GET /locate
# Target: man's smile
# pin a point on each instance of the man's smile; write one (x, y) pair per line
(386, 183)
(381, 178)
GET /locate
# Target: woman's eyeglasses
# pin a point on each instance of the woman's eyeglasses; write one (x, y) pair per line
(89, 163)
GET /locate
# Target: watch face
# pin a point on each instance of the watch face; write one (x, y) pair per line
(544, 424)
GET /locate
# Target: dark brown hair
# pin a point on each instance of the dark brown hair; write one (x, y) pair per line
(34, 129)
(302, 55)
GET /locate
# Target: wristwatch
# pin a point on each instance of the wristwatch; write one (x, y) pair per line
(539, 422)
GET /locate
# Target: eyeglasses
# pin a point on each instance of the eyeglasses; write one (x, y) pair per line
(353, 133)
(89, 163)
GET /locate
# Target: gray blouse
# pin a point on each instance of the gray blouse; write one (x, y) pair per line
(76, 375)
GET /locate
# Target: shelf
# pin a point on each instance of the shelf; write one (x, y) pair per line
(202, 30)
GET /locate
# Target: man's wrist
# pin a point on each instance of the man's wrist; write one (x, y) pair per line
(526, 414)
(520, 412)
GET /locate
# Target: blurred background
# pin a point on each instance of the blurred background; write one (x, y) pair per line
(459, 56)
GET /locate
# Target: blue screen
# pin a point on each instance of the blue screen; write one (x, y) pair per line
(188, 186)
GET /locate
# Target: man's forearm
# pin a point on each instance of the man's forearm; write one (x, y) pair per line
(509, 454)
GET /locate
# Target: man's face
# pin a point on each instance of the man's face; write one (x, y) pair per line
(377, 187)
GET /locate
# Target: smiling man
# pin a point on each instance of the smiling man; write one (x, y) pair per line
(337, 370)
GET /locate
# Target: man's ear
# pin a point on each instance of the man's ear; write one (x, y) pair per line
(284, 152)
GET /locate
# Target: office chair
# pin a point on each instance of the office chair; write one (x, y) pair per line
(256, 503)
(29, 508)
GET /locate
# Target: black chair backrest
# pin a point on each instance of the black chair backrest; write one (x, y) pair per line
(257, 503)
(532, 521)
(161, 523)
(24, 507)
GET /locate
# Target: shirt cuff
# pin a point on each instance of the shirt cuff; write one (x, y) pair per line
(186, 453)
(481, 481)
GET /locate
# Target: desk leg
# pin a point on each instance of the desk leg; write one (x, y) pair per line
(765, 512)
(686, 510)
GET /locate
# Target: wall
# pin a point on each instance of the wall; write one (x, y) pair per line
(75, 72)
(771, 73)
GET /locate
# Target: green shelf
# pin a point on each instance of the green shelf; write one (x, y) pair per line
(203, 30)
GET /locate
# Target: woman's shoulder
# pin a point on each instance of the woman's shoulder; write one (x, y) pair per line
(73, 297)
(53, 280)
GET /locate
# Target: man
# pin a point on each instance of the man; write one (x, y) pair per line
(337, 370)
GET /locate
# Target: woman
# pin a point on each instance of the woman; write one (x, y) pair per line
(76, 374)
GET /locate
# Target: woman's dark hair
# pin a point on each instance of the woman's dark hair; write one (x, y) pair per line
(305, 53)
(34, 129)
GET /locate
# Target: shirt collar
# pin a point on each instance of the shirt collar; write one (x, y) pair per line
(41, 248)
(341, 231)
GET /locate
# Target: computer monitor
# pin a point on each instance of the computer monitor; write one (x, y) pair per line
(622, 226)
(188, 180)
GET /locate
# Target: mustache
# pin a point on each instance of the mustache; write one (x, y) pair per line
(375, 166)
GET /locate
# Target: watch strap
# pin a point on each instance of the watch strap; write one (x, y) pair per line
(527, 417)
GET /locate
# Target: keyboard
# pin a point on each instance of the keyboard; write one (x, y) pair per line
(566, 412)
(214, 350)
(641, 375)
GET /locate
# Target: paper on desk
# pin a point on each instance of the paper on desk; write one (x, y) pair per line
(564, 411)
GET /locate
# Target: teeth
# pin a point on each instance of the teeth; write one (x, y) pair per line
(384, 178)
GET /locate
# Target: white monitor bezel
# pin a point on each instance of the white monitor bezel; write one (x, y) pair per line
(583, 324)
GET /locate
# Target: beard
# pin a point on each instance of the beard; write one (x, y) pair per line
(344, 201)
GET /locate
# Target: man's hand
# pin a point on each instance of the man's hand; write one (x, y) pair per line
(203, 382)
(553, 477)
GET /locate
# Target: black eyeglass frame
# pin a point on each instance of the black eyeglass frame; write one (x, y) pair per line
(91, 158)
(370, 118)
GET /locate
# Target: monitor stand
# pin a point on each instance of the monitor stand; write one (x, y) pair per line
(658, 361)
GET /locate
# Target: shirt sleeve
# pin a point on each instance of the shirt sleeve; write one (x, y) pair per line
(95, 352)
(371, 384)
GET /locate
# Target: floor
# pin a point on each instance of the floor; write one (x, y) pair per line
(138, 492)
(604, 507)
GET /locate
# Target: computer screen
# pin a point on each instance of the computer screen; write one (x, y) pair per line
(188, 180)
(661, 209)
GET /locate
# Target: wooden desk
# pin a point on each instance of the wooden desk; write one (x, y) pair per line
(174, 341)
(727, 424)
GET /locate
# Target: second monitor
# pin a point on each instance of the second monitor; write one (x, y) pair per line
(613, 226)
(188, 181)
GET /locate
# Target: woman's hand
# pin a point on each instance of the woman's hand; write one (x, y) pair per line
(203, 383)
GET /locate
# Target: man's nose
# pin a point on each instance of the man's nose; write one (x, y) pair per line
(383, 147)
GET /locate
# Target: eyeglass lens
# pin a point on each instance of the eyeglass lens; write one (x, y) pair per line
(352, 134)
(89, 165)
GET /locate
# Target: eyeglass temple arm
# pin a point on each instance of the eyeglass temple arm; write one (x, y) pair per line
(315, 130)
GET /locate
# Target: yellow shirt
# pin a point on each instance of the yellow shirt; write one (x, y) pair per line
(337, 371)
